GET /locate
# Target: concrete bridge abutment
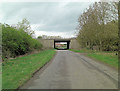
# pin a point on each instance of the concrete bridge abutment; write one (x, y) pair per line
(50, 43)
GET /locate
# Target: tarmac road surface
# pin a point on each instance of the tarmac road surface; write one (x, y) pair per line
(70, 70)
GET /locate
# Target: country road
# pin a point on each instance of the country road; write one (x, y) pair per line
(70, 70)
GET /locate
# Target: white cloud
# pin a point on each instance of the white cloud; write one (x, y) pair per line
(36, 26)
(50, 0)
(62, 34)
(58, 0)
(52, 18)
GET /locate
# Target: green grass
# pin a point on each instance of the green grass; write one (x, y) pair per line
(17, 71)
(107, 57)
(82, 51)
(0, 76)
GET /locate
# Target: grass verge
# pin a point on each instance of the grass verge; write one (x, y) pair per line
(109, 58)
(17, 71)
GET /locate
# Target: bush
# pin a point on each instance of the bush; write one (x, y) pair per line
(17, 42)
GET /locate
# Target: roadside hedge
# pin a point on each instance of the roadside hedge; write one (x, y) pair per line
(17, 42)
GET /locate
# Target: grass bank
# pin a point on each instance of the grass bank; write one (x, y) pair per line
(107, 57)
(17, 71)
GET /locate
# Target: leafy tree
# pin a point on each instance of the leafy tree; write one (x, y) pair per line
(39, 37)
(98, 27)
(24, 25)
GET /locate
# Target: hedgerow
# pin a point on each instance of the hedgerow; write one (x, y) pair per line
(16, 41)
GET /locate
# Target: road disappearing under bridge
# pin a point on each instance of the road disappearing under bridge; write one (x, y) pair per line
(67, 41)
(70, 70)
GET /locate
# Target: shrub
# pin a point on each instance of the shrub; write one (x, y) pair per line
(17, 42)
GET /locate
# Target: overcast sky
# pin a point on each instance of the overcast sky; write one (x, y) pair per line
(46, 18)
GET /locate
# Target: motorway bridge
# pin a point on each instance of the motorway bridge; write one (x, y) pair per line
(72, 43)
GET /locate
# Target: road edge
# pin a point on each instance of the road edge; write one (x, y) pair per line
(39, 69)
(98, 61)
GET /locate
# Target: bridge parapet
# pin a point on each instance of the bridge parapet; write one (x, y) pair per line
(74, 44)
(47, 43)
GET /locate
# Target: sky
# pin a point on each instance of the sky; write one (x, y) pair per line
(46, 18)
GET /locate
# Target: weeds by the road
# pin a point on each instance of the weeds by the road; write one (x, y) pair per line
(107, 57)
(17, 71)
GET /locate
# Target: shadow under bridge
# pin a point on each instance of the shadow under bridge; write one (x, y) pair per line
(62, 44)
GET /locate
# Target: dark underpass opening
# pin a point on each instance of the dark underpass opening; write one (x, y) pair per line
(61, 44)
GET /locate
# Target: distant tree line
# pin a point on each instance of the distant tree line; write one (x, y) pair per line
(98, 26)
(17, 40)
(49, 37)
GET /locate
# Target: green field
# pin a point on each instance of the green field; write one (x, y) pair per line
(62, 47)
(107, 57)
(17, 71)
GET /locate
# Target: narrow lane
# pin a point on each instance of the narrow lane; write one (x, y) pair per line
(70, 70)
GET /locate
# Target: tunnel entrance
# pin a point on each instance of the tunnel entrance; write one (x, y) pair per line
(61, 44)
